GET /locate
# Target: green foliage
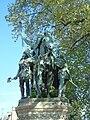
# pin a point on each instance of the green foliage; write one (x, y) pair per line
(69, 21)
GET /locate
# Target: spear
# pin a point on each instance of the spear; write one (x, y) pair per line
(73, 84)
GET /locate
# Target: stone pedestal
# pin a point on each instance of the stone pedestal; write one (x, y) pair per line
(43, 109)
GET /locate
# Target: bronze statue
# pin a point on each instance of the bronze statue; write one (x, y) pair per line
(43, 69)
(25, 74)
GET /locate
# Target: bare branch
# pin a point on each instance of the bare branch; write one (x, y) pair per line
(86, 35)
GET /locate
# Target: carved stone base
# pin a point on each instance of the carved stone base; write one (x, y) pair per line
(43, 109)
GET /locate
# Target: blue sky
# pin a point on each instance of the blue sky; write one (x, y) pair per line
(10, 53)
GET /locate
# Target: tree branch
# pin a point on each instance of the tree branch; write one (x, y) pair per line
(76, 22)
(86, 35)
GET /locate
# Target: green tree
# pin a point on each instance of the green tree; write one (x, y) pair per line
(69, 21)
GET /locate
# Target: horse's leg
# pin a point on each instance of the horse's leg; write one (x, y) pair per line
(39, 83)
(48, 90)
(49, 82)
(39, 79)
(36, 79)
(38, 88)
(30, 88)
